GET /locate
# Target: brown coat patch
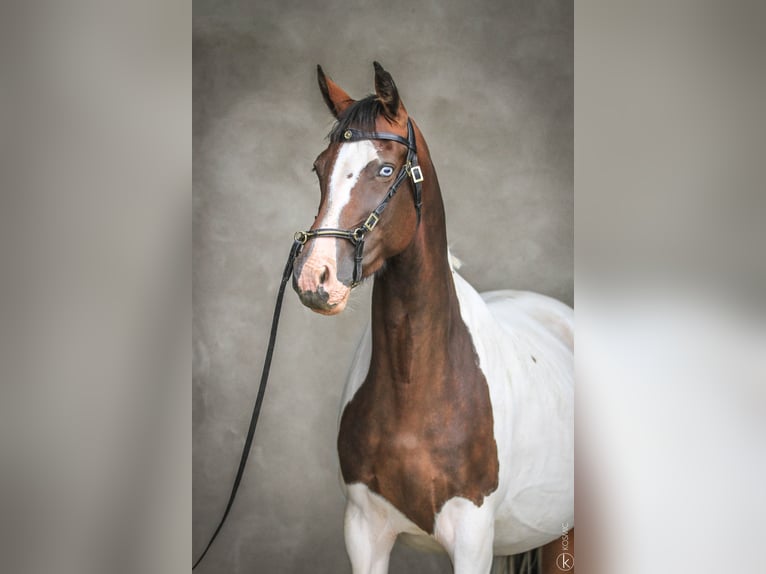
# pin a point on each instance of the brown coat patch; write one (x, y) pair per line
(420, 442)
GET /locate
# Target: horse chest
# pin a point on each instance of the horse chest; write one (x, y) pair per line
(421, 451)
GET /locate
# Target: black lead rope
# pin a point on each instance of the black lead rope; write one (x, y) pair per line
(356, 237)
(296, 248)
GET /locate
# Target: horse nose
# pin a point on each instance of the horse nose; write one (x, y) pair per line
(311, 278)
(324, 275)
(316, 283)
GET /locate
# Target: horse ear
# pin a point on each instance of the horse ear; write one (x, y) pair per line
(385, 88)
(334, 96)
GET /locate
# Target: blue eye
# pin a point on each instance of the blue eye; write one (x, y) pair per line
(386, 171)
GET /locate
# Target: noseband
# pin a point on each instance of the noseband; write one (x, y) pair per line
(357, 235)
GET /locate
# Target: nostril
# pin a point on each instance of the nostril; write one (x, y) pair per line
(323, 276)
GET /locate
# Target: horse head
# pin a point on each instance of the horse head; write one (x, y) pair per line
(362, 221)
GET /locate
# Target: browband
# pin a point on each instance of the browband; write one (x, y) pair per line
(353, 135)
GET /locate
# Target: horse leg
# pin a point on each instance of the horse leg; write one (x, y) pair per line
(369, 539)
(557, 557)
(467, 533)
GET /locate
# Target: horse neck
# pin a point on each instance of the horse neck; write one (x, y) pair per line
(414, 303)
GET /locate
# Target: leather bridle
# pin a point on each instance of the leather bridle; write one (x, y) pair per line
(357, 235)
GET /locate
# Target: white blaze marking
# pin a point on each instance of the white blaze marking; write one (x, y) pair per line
(353, 157)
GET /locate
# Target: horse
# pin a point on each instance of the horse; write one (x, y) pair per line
(456, 424)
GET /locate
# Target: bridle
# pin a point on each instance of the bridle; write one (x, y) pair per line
(357, 235)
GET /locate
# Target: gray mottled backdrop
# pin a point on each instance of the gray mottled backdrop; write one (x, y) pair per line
(490, 84)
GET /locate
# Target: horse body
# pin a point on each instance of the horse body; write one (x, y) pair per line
(456, 426)
(523, 342)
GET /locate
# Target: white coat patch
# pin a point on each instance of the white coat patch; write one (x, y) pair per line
(353, 157)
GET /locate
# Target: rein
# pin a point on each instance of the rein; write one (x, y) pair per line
(294, 251)
(356, 236)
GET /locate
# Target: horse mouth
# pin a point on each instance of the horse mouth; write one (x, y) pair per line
(319, 302)
(332, 310)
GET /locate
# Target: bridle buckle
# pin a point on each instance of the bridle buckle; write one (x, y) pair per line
(358, 234)
(415, 173)
(372, 221)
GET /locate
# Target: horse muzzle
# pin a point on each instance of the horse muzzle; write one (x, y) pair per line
(319, 289)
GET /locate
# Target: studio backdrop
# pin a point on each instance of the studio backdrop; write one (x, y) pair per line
(490, 86)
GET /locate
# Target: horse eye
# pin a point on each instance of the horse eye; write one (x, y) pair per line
(386, 171)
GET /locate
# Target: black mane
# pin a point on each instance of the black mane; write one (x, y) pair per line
(360, 115)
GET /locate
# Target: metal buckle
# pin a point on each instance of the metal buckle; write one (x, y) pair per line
(357, 235)
(372, 221)
(302, 237)
(416, 174)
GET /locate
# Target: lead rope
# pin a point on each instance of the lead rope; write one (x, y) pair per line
(261, 392)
